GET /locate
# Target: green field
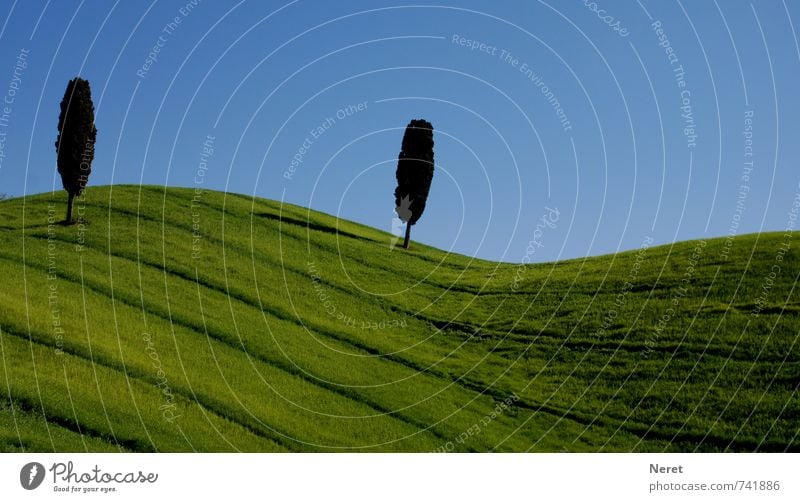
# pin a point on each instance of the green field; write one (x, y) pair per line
(171, 320)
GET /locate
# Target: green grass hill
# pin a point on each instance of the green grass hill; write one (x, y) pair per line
(177, 320)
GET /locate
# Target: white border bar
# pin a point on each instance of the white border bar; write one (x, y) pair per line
(403, 477)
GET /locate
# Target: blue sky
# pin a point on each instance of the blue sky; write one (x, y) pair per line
(574, 106)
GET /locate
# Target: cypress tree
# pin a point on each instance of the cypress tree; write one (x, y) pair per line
(76, 138)
(414, 174)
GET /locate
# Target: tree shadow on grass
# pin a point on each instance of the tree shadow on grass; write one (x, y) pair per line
(312, 226)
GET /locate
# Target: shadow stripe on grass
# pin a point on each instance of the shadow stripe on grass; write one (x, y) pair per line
(137, 375)
(471, 385)
(24, 405)
(154, 310)
(630, 426)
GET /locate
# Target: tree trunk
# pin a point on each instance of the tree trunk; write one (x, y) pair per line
(69, 208)
(408, 235)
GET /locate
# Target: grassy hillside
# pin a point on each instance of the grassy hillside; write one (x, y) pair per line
(176, 321)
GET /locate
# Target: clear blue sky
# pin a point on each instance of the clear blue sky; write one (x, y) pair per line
(616, 161)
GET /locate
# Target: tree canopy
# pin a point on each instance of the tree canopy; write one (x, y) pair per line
(76, 138)
(414, 173)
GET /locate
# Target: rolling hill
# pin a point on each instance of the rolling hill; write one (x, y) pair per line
(171, 319)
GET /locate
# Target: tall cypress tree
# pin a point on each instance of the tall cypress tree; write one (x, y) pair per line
(76, 138)
(414, 174)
